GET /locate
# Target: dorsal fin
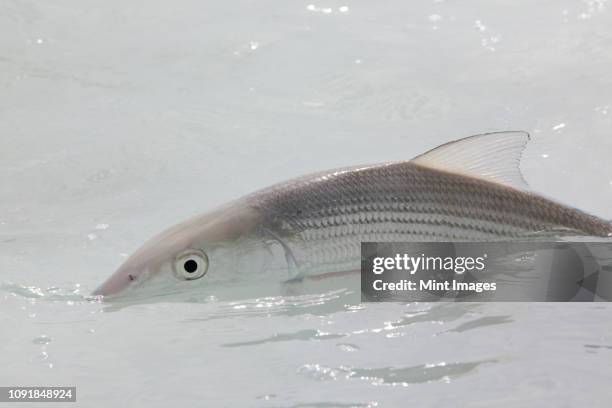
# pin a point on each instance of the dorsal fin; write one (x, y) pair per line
(490, 156)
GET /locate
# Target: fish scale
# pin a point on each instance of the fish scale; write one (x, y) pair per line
(324, 219)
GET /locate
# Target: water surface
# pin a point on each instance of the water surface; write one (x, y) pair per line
(118, 120)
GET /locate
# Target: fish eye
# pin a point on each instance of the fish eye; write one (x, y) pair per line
(191, 265)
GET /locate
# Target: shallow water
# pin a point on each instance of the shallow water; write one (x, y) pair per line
(118, 120)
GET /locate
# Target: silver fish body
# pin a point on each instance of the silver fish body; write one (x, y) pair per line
(325, 217)
(468, 190)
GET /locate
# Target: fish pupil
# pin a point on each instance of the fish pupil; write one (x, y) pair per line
(190, 266)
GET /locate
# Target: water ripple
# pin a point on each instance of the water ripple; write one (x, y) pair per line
(482, 322)
(317, 304)
(402, 376)
(53, 293)
(302, 335)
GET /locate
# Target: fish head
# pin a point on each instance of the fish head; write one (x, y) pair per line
(209, 246)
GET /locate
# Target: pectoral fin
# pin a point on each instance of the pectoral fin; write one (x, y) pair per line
(293, 269)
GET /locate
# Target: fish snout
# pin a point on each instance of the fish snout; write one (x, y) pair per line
(118, 282)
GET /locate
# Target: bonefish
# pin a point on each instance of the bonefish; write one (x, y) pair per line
(467, 190)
